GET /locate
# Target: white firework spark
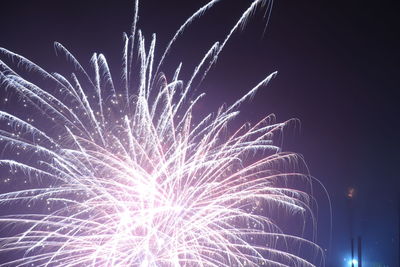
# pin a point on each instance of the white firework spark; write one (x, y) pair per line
(131, 177)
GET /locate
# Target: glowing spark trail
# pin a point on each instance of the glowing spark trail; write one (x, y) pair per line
(130, 176)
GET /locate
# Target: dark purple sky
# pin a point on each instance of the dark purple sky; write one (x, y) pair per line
(338, 64)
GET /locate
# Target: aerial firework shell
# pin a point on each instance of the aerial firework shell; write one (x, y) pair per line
(128, 175)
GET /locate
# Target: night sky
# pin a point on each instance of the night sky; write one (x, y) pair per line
(338, 64)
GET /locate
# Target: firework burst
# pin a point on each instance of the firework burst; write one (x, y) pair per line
(130, 176)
